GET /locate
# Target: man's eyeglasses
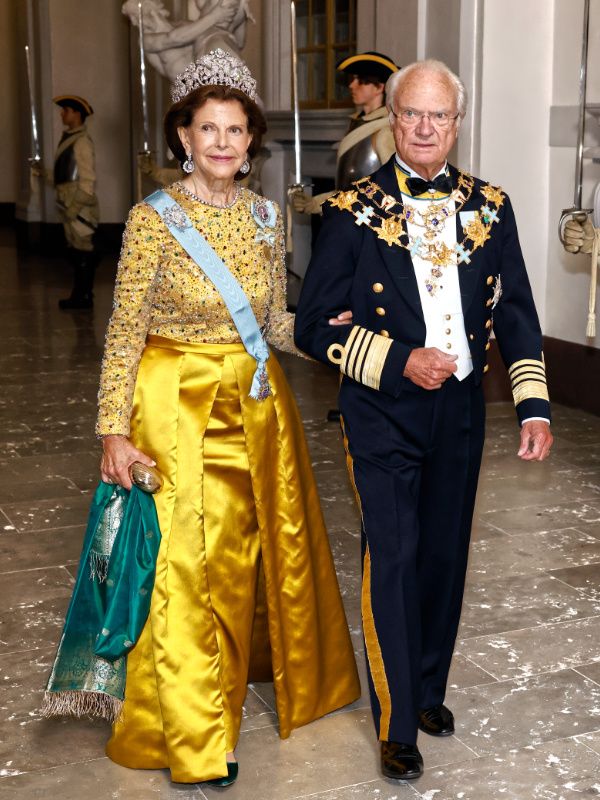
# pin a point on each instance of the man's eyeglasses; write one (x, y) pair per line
(410, 117)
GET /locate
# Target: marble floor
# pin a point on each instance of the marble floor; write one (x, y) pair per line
(525, 681)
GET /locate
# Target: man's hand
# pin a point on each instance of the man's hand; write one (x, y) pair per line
(71, 212)
(428, 367)
(301, 202)
(146, 163)
(536, 440)
(578, 234)
(345, 318)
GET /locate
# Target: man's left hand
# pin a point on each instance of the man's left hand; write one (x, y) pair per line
(536, 440)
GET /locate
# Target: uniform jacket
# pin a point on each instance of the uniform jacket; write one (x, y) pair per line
(354, 268)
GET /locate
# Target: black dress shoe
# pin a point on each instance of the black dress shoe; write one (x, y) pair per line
(436, 721)
(401, 761)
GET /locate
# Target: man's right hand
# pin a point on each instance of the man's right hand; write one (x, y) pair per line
(428, 367)
(578, 234)
(301, 202)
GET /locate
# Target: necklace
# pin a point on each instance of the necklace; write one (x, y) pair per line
(194, 196)
(386, 217)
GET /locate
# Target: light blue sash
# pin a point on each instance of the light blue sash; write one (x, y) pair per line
(196, 246)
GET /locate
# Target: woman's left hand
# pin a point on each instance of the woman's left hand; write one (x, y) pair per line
(345, 318)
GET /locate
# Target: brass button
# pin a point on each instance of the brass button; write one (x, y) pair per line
(448, 316)
(488, 324)
(490, 280)
(489, 303)
(385, 333)
(487, 366)
(448, 331)
(488, 345)
(381, 311)
(448, 346)
(471, 337)
(378, 288)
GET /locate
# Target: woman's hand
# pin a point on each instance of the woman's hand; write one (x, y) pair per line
(118, 455)
(345, 318)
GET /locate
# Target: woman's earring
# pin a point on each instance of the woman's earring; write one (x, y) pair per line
(188, 164)
(245, 168)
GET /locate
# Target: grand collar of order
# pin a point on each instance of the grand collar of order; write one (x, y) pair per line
(384, 214)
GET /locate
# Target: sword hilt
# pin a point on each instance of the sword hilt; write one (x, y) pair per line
(578, 214)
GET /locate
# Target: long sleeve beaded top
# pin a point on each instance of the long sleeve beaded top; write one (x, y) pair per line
(160, 290)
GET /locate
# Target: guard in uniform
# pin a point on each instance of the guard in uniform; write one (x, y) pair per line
(428, 259)
(75, 186)
(369, 141)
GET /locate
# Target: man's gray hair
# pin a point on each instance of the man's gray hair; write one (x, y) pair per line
(396, 80)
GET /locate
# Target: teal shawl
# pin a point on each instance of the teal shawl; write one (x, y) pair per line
(109, 605)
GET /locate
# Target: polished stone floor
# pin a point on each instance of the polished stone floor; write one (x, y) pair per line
(525, 681)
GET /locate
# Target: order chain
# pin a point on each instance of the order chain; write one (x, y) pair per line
(391, 230)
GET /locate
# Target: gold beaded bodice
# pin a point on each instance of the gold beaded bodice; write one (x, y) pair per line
(160, 290)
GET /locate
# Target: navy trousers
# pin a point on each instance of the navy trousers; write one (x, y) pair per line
(414, 461)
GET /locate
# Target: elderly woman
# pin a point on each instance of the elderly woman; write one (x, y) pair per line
(245, 586)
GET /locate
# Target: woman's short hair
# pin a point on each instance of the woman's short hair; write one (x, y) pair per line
(396, 80)
(181, 114)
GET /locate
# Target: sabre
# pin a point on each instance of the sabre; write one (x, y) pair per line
(576, 211)
(296, 102)
(36, 157)
(143, 84)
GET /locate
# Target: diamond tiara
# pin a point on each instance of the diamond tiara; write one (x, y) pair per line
(215, 68)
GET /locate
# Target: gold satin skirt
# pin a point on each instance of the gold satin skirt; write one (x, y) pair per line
(245, 586)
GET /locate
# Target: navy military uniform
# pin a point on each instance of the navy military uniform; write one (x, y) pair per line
(414, 455)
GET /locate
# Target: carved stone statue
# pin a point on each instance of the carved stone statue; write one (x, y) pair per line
(171, 46)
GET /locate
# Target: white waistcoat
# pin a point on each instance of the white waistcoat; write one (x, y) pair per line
(443, 310)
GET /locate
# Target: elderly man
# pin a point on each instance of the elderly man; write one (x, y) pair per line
(428, 259)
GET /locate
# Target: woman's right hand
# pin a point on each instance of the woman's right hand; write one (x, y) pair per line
(117, 456)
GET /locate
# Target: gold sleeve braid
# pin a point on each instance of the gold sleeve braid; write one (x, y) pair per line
(528, 380)
(130, 320)
(363, 356)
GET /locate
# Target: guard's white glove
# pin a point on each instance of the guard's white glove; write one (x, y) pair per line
(578, 234)
(305, 204)
(301, 202)
(146, 163)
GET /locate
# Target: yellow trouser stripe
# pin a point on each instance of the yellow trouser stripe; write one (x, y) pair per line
(374, 654)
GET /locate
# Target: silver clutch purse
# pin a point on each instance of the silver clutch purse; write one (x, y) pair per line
(148, 479)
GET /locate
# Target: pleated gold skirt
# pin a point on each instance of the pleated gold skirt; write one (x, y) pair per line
(245, 585)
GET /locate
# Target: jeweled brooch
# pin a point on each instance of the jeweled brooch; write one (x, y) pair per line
(265, 216)
(175, 215)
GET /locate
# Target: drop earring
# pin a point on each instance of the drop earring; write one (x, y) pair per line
(245, 168)
(188, 164)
